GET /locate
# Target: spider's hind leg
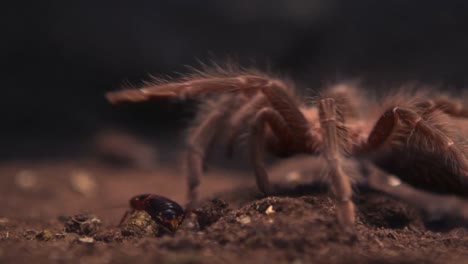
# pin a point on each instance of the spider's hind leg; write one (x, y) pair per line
(431, 157)
(435, 205)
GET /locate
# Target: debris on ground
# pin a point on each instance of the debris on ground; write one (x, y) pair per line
(44, 235)
(270, 210)
(244, 219)
(82, 224)
(86, 240)
(296, 224)
(140, 224)
(210, 212)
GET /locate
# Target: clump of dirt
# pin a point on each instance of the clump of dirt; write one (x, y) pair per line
(288, 223)
(391, 213)
(44, 235)
(210, 212)
(82, 224)
(140, 224)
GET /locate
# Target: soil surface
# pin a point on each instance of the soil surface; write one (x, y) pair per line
(68, 211)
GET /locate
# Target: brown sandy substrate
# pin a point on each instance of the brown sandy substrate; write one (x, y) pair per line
(296, 225)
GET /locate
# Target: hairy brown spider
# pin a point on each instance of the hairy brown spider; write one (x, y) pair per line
(417, 136)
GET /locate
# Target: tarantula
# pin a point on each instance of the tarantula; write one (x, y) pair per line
(416, 136)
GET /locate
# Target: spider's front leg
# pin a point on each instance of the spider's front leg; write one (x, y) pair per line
(201, 136)
(199, 139)
(266, 116)
(340, 182)
(190, 87)
(292, 133)
(288, 134)
(435, 205)
(243, 116)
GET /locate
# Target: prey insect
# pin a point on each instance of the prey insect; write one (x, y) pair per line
(418, 138)
(165, 212)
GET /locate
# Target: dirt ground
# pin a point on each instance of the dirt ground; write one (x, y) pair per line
(296, 225)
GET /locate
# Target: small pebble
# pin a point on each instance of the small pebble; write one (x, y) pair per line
(393, 181)
(86, 240)
(59, 235)
(270, 210)
(44, 235)
(244, 220)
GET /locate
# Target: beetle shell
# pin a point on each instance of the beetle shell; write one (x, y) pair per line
(164, 211)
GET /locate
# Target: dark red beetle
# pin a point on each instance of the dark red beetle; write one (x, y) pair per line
(164, 211)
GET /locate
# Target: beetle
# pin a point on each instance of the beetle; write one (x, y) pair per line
(162, 210)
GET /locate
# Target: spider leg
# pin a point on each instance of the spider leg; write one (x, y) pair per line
(266, 116)
(277, 93)
(189, 88)
(340, 182)
(287, 123)
(199, 140)
(435, 205)
(241, 117)
(125, 216)
(292, 133)
(450, 106)
(439, 162)
(202, 135)
(429, 137)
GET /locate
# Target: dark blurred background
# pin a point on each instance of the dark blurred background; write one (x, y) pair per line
(58, 58)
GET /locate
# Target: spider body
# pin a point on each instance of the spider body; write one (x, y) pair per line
(418, 137)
